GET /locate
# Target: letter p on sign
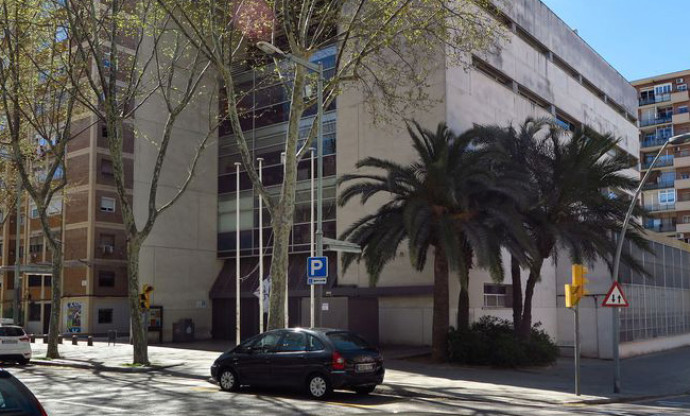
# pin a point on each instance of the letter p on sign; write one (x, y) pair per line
(317, 267)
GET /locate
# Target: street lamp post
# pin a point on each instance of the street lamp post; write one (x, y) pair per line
(681, 138)
(271, 49)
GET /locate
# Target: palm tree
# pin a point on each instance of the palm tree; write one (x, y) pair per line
(448, 201)
(577, 184)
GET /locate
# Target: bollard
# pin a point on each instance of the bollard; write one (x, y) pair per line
(89, 341)
(45, 338)
(74, 340)
(59, 339)
(33, 338)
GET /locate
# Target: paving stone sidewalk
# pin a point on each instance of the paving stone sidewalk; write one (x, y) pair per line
(655, 375)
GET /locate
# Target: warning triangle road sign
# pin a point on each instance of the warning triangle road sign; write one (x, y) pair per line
(615, 298)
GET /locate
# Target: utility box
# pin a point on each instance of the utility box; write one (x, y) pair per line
(183, 330)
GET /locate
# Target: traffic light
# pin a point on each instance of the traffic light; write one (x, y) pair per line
(145, 297)
(576, 290)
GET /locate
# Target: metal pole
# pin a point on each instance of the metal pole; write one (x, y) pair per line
(237, 251)
(576, 310)
(311, 242)
(319, 183)
(17, 283)
(261, 253)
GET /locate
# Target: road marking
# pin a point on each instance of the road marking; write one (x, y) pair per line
(112, 409)
(211, 389)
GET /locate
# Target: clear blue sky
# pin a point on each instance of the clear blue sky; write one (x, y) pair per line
(640, 38)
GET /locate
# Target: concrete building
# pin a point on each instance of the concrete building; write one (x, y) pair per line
(544, 69)
(664, 113)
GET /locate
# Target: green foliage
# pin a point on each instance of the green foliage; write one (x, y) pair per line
(491, 341)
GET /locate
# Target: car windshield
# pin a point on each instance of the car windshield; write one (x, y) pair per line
(11, 331)
(345, 341)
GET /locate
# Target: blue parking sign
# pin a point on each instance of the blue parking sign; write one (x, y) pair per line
(317, 267)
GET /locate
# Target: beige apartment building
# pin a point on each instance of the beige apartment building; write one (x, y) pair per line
(663, 113)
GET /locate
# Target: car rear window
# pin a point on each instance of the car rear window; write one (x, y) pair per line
(345, 341)
(9, 331)
(15, 399)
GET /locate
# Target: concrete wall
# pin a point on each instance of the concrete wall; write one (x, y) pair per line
(179, 257)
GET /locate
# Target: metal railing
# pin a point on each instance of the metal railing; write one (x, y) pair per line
(652, 141)
(659, 185)
(666, 160)
(660, 207)
(659, 120)
(656, 99)
(660, 228)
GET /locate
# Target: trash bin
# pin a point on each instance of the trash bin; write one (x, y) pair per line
(183, 330)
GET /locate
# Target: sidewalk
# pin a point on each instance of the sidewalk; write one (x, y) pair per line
(655, 375)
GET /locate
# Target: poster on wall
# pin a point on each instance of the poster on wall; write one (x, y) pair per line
(74, 316)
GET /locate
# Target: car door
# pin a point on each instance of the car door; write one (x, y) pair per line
(289, 359)
(253, 364)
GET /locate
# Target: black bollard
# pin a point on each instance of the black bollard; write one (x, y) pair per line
(59, 339)
(33, 338)
(89, 341)
(74, 340)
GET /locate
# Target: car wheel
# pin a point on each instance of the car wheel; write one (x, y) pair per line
(23, 361)
(228, 380)
(364, 389)
(318, 386)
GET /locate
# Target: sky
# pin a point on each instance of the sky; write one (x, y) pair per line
(640, 38)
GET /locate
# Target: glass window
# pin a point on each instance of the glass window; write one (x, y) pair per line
(34, 280)
(33, 211)
(347, 341)
(11, 331)
(682, 87)
(667, 196)
(34, 312)
(55, 206)
(107, 204)
(106, 278)
(498, 296)
(293, 341)
(107, 167)
(268, 341)
(314, 344)
(105, 316)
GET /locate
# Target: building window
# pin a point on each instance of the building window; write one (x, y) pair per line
(107, 243)
(682, 87)
(107, 167)
(34, 312)
(55, 206)
(34, 280)
(105, 316)
(35, 246)
(682, 109)
(107, 204)
(106, 278)
(33, 211)
(686, 219)
(498, 296)
(667, 196)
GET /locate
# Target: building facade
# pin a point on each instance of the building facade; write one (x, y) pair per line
(663, 113)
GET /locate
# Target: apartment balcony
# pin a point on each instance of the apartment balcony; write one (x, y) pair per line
(682, 159)
(683, 228)
(656, 99)
(654, 141)
(679, 96)
(665, 160)
(660, 228)
(654, 121)
(683, 205)
(682, 183)
(656, 207)
(681, 118)
(658, 185)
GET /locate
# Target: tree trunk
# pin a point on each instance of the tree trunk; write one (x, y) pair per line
(138, 335)
(526, 323)
(517, 293)
(439, 329)
(55, 280)
(279, 268)
(463, 318)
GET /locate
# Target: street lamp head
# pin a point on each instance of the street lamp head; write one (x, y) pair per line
(269, 48)
(679, 139)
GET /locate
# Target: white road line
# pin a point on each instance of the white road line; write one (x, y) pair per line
(112, 409)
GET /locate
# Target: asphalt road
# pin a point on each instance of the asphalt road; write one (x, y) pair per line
(75, 392)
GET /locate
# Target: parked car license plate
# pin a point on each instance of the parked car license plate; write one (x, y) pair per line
(365, 368)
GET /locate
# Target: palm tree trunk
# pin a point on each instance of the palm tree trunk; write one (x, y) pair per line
(439, 330)
(517, 293)
(464, 295)
(526, 323)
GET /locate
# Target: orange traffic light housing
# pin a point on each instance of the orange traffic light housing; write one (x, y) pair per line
(576, 290)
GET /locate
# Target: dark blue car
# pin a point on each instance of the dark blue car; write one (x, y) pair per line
(316, 360)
